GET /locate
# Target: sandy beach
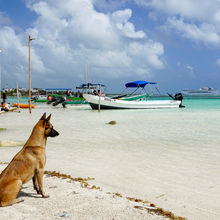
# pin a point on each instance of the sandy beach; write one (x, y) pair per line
(76, 198)
(138, 168)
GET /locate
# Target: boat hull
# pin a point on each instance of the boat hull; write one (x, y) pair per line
(108, 103)
(71, 101)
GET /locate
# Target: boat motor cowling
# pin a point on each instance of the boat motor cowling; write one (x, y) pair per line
(179, 97)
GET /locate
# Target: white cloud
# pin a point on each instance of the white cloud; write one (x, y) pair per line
(127, 29)
(77, 20)
(122, 16)
(148, 53)
(14, 56)
(68, 34)
(191, 9)
(205, 33)
(197, 20)
(190, 68)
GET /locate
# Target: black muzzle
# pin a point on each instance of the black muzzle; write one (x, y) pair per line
(53, 133)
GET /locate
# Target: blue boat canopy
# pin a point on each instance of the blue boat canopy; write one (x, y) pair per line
(138, 84)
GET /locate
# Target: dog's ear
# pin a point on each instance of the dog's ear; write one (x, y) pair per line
(48, 118)
(43, 116)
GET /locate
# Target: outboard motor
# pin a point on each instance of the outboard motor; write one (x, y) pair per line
(64, 101)
(179, 97)
(58, 101)
(55, 98)
(64, 104)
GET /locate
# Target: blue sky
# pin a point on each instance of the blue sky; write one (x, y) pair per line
(175, 43)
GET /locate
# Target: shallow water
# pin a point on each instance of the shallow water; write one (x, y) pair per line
(168, 157)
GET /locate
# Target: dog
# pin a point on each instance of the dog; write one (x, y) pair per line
(27, 164)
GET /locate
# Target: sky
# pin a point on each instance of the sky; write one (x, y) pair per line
(171, 42)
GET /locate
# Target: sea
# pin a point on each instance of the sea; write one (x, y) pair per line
(169, 157)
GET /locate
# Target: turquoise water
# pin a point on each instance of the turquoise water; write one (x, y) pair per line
(170, 157)
(202, 104)
(14, 100)
(196, 103)
(191, 104)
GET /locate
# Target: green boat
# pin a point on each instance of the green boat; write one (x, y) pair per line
(51, 94)
(70, 100)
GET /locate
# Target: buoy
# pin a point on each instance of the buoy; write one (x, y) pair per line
(23, 105)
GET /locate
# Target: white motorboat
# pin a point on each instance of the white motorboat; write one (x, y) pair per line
(133, 101)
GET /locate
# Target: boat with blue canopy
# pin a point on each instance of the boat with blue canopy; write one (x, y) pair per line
(140, 92)
(133, 100)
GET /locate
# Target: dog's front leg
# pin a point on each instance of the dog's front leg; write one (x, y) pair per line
(35, 183)
(39, 175)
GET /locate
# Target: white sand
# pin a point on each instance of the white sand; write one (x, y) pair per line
(72, 200)
(171, 163)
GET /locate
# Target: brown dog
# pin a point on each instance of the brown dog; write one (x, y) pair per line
(27, 164)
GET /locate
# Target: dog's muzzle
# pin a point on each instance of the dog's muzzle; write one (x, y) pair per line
(53, 133)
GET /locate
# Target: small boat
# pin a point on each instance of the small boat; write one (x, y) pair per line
(53, 96)
(205, 91)
(133, 101)
(21, 105)
(39, 98)
(49, 94)
(65, 99)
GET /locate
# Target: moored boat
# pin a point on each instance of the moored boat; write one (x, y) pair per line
(108, 103)
(133, 101)
(67, 98)
(52, 96)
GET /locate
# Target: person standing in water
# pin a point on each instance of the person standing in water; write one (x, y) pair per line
(68, 93)
(4, 97)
